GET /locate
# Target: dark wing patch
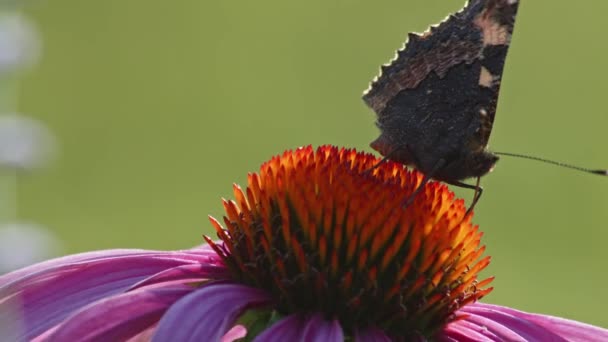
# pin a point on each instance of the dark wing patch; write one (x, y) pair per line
(477, 36)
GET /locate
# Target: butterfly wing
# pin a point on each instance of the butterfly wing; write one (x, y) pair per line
(439, 94)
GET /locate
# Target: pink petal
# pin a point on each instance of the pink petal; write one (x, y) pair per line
(120, 317)
(236, 332)
(487, 322)
(469, 331)
(567, 329)
(144, 336)
(65, 260)
(301, 328)
(208, 313)
(319, 329)
(371, 335)
(195, 254)
(184, 274)
(49, 294)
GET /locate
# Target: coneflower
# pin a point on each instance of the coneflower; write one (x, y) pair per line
(316, 248)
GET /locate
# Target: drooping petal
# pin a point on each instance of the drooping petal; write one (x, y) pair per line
(65, 260)
(568, 330)
(144, 336)
(197, 254)
(238, 331)
(287, 329)
(185, 273)
(496, 323)
(371, 335)
(120, 317)
(469, 332)
(208, 313)
(46, 296)
(301, 328)
(319, 329)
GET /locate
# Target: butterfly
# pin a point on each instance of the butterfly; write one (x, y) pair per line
(436, 101)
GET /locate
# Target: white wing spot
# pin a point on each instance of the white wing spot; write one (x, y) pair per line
(486, 79)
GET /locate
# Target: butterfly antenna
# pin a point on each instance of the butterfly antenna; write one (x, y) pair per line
(574, 167)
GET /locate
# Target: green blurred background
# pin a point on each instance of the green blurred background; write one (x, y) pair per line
(159, 106)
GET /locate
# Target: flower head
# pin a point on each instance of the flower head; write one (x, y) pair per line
(319, 246)
(323, 235)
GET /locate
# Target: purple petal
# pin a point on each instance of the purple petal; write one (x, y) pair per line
(496, 323)
(371, 335)
(68, 259)
(567, 329)
(184, 274)
(200, 254)
(11, 327)
(469, 332)
(144, 336)
(300, 328)
(287, 329)
(52, 290)
(319, 329)
(120, 317)
(208, 313)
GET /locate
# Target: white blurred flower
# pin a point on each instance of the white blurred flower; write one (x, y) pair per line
(11, 324)
(19, 43)
(23, 244)
(24, 142)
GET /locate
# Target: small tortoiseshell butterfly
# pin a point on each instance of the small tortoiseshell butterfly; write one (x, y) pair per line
(437, 99)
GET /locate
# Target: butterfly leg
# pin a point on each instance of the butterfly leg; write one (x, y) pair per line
(478, 191)
(382, 161)
(426, 179)
(371, 169)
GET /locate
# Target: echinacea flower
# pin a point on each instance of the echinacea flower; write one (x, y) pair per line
(318, 247)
